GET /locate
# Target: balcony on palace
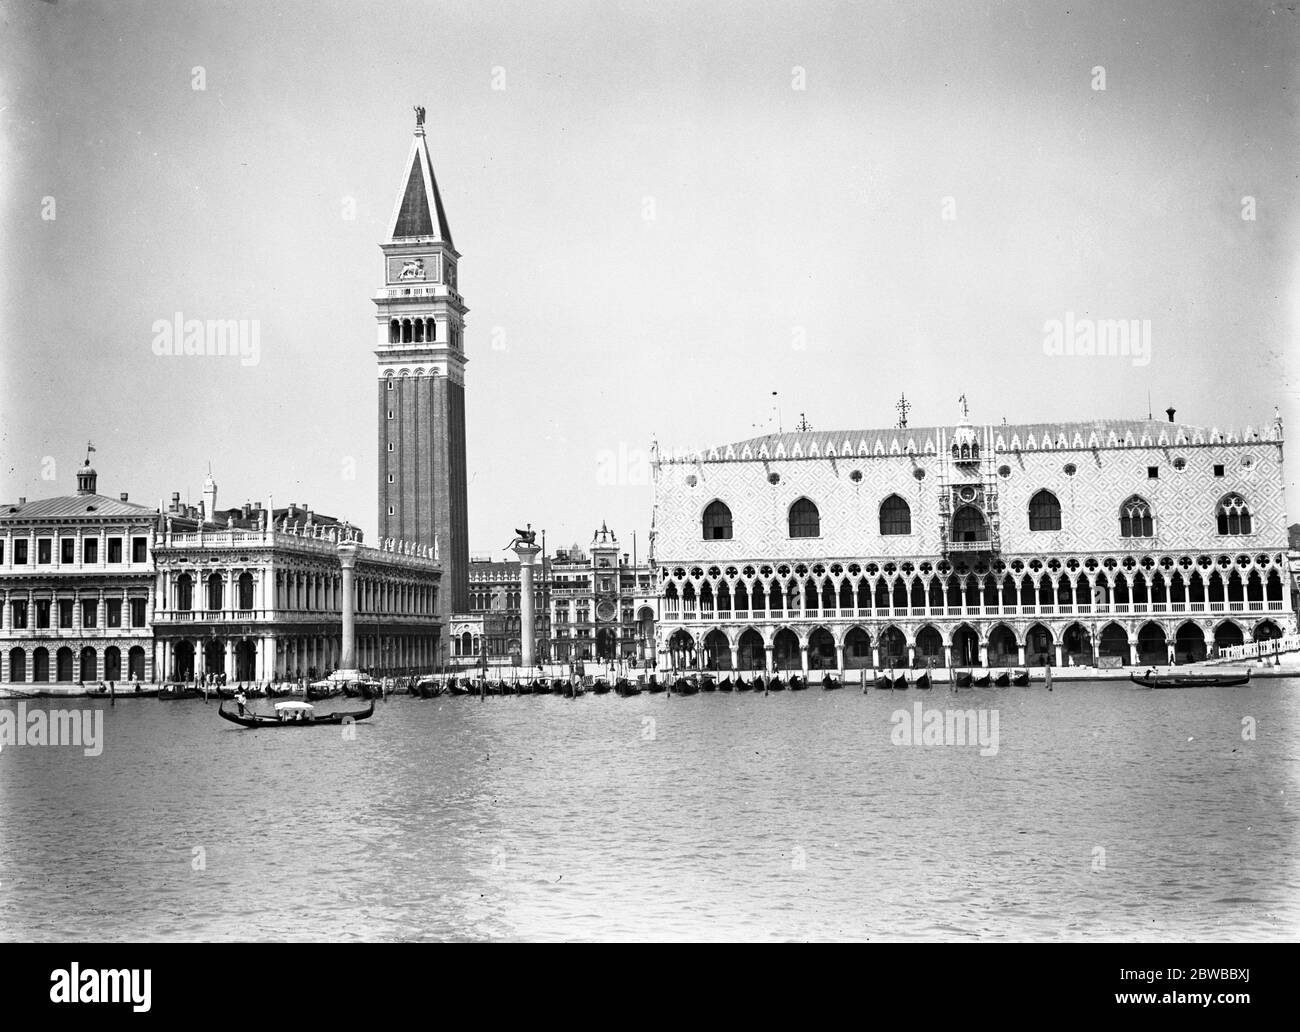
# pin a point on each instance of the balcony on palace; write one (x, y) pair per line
(672, 613)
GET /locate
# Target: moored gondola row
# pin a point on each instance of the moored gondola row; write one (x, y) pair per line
(433, 687)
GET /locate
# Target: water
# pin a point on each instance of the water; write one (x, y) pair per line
(709, 817)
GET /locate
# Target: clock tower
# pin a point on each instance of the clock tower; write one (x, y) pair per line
(421, 385)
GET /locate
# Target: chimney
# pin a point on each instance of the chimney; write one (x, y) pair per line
(22, 501)
(123, 496)
(176, 502)
(248, 510)
(1170, 412)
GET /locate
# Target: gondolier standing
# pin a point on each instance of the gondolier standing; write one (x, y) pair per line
(241, 700)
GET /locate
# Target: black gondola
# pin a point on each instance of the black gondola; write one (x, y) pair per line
(725, 684)
(262, 720)
(829, 684)
(884, 684)
(180, 691)
(1020, 678)
(685, 686)
(900, 683)
(744, 686)
(798, 684)
(1191, 680)
(1002, 679)
(601, 687)
(655, 687)
(775, 684)
(962, 679)
(982, 681)
(923, 682)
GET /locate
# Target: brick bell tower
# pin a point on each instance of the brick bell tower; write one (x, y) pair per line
(421, 356)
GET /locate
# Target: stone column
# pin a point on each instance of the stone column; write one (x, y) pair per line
(803, 658)
(911, 655)
(839, 659)
(348, 560)
(735, 658)
(1060, 659)
(767, 658)
(984, 654)
(1020, 650)
(527, 553)
(875, 655)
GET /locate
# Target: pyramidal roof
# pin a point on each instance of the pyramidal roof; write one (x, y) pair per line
(419, 211)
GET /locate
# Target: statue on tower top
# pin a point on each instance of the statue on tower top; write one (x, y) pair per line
(419, 115)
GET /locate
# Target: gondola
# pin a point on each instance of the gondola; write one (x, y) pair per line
(655, 687)
(624, 687)
(775, 684)
(1002, 679)
(601, 687)
(725, 684)
(1020, 678)
(1190, 680)
(263, 720)
(900, 683)
(180, 691)
(743, 686)
(542, 686)
(962, 679)
(923, 683)
(982, 681)
(884, 684)
(682, 686)
(829, 684)
(798, 684)
(707, 684)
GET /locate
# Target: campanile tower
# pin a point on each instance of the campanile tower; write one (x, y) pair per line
(421, 386)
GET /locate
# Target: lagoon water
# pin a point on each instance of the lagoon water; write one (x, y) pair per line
(1107, 813)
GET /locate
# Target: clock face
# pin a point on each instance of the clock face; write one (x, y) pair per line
(605, 611)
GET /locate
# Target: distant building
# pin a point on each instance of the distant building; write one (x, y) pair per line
(76, 587)
(97, 588)
(257, 595)
(603, 604)
(494, 598)
(1109, 542)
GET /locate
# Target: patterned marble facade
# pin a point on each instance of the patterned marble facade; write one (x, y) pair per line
(1105, 542)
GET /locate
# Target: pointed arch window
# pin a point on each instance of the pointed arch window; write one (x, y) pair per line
(717, 522)
(805, 520)
(1234, 515)
(1135, 518)
(895, 516)
(1044, 511)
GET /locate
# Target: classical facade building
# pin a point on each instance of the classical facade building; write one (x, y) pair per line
(603, 604)
(421, 388)
(257, 595)
(1108, 542)
(494, 598)
(76, 576)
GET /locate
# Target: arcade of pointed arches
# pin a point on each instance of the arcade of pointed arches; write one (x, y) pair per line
(1057, 643)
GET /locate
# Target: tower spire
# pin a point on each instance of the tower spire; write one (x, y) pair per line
(419, 212)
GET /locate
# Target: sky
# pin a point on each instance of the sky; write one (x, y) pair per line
(667, 211)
